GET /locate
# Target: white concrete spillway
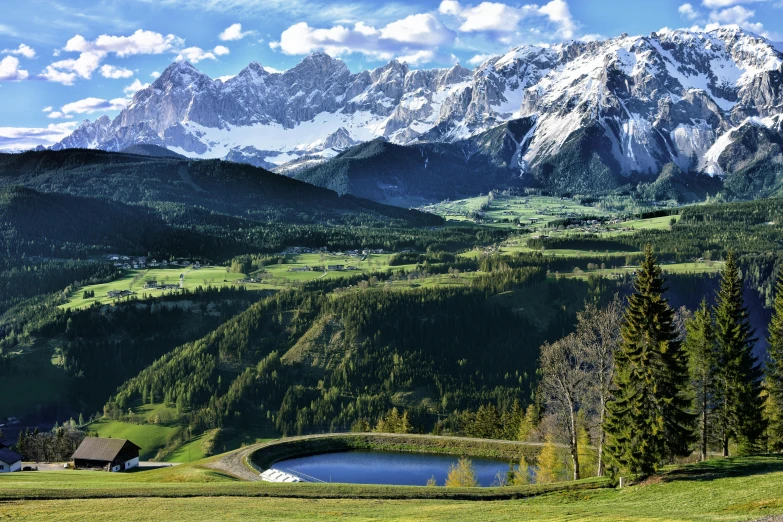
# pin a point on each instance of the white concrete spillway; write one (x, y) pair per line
(274, 475)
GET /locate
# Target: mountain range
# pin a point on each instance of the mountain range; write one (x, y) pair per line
(566, 117)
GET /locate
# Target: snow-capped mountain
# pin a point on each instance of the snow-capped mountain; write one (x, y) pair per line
(671, 97)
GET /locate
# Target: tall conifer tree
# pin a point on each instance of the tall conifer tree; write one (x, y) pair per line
(774, 376)
(648, 419)
(703, 366)
(739, 377)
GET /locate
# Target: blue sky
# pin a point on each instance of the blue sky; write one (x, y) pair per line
(62, 61)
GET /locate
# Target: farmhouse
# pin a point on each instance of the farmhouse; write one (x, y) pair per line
(336, 267)
(9, 460)
(106, 454)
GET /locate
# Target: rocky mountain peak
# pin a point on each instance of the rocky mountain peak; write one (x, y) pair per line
(651, 100)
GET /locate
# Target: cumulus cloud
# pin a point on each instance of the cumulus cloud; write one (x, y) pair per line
(688, 12)
(402, 38)
(496, 17)
(47, 109)
(90, 105)
(29, 137)
(558, 13)
(418, 29)
(134, 87)
(155, 74)
(195, 55)
(140, 42)
(110, 71)
(479, 59)
(91, 53)
(233, 32)
(417, 58)
(22, 50)
(733, 15)
(221, 50)
(10, 71)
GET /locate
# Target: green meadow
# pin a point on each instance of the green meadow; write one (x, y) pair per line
(735, 489)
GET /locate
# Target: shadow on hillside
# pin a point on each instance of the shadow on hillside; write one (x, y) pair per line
(718, 468)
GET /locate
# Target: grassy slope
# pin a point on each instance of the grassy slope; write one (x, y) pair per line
(149, 437)
(276, 277)
(732, 489)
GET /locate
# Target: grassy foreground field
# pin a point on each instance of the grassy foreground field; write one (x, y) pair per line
(722, 489)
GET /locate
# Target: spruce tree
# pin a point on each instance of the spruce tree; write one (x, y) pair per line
(739, 377)
(703, 366)
(774, 377)
(648, 420)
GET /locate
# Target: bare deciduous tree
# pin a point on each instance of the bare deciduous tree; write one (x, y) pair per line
(564, 387)
(599, 333)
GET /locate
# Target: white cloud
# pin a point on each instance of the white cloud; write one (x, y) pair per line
(688, 12)
(717, 4)
(487, 16)
(418, 29)
(418, 57)
(47, 109)
(90, 105)
(66, 71)
(93, 52)
(733, 15)
(110, 71)
(405, 37)
(496, 17)
(27, 137)
(10, 71)
(155, 74)
(221, 50)
(479, 59)
(134, 87)
(57, 115)
(195, 55)
(559, 14)
(272, 70)
(22, 50)
(233, 32)
(140, 42)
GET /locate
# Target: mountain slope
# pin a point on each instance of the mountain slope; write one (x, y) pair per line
(425, 172)
(186, 190)
(641, 101)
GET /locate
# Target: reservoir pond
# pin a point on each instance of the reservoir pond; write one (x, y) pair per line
(393, 468)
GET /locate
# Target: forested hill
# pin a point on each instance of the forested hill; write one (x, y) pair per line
(169, 184)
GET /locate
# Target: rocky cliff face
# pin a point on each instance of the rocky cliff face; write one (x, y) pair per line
(674, 97)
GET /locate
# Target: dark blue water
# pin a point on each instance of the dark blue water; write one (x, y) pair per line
(373, 467)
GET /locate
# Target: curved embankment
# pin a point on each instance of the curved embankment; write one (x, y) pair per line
(247, 463)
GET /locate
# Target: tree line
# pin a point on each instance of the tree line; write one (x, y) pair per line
(652, 384)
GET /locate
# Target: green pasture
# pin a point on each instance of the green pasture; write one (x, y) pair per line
(735, 489)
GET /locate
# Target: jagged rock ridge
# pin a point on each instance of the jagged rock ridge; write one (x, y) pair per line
(677, 97)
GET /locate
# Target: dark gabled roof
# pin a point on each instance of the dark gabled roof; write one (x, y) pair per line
(96, 448)
(9, 457)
